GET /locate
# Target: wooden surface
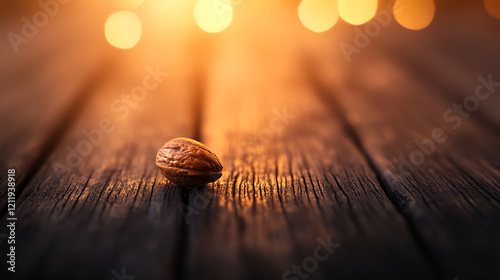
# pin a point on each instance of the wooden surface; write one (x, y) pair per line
(311, 146)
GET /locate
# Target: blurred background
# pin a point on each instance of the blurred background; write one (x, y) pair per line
(134, 33)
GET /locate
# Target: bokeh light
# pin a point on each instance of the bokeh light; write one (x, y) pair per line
(123, 29)
(128, 4)
(318, 15)
(213, 15)
(493, 8)
(357, 11)
(414, 15)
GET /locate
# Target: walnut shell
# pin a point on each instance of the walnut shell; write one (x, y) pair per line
(188, 163)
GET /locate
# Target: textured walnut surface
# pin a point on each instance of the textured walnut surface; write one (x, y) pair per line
(186, 162)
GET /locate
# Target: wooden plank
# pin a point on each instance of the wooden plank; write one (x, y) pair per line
(284, 189)
(448, 193)
(42, 86)
(451, 57)
(112, 210)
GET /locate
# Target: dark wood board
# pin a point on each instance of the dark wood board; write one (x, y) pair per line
(451, 198)
(43, 85)
(460, 52)
(283, 189)
(113, 210)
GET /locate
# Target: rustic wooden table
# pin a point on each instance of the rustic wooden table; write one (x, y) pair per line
(369, 160)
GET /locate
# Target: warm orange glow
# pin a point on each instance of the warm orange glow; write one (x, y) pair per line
(213, 15)
(318, 15)
(129, 4)
(493, 8)
(413, 14)
(165, 13)
(357, 11)
(123, 29)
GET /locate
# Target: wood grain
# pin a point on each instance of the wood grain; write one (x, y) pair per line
(453, 62)
(283, 189)
(43, 86)
(112, 210)
(450, 195)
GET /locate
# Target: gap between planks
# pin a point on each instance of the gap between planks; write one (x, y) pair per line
(400, 202)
